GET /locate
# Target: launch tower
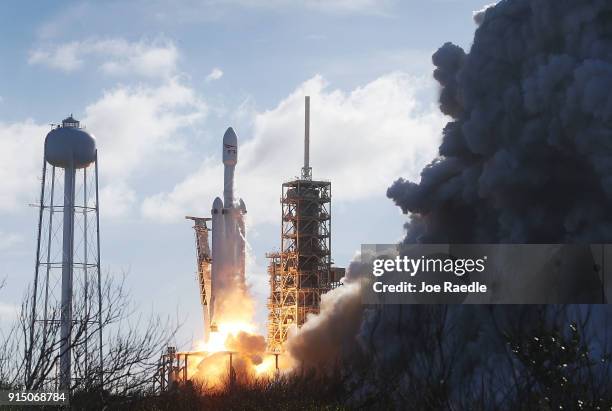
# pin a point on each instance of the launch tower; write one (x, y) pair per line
(204, 264)
(302, 271)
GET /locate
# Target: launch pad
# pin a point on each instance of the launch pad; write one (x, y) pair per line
(173, 367)
(299, 274)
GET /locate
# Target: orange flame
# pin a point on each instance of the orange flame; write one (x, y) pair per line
(249, 360)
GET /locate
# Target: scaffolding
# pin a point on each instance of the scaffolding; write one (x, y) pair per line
(302, 271)
(204, 260)
(173, 368)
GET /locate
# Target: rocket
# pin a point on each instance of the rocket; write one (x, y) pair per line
(228, 236)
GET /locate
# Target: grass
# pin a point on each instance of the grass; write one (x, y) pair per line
(298, 392)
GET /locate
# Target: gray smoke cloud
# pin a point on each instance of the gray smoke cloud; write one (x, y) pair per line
(528, 154)
(479, 15)
(329, 338)
(526, 158)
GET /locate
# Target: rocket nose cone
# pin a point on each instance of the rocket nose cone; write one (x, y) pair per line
(230, 147)
(230, 137)
(217, 205)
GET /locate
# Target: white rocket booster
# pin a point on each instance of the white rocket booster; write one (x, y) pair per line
(228, 235)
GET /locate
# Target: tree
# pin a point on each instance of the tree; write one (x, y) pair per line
(125, 359)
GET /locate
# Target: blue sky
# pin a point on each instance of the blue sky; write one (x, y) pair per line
(158, 82)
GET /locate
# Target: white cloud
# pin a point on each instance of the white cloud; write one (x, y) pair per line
(21, 151)
(136, 126)
(65, 57)
(113, 56)
(215, 74)
(136, 129)
(116, 199)
(8, 240)
(362, 141)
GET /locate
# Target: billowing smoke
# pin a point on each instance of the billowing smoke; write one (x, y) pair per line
(327, 337)
(250, 345)
(479, 15)
(528, 154)
(526, 158)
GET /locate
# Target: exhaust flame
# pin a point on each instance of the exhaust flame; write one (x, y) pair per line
(217, 340)
(233, 354)
(266, 368)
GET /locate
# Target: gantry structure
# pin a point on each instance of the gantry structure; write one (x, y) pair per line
(204, 259)
(302, 271)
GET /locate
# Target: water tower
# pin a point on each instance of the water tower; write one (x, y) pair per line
(66, 306)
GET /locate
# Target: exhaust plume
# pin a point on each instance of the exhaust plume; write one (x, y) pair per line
(525, 158)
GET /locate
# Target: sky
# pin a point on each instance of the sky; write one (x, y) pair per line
(158, 82)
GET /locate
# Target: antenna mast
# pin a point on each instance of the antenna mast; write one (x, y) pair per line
(307, 170)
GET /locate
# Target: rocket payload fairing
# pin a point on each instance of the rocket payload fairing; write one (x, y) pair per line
(228, 237)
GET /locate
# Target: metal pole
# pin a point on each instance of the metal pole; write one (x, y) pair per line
(67, 277)
(29, 348)
(282, 271)
(231, 370)
(185, 368)
(51, 211)
(307, 134)
(163, 373)
(99, 277)
(85, 279)
(328, 286)
(306, 170)
(277, 372)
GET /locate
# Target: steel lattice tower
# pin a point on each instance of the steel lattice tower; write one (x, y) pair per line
(302, 271)
(204, 259)
(64, 340)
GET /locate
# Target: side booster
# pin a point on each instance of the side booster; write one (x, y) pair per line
(228, 235)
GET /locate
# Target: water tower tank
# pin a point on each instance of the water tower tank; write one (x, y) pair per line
(70, 145)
